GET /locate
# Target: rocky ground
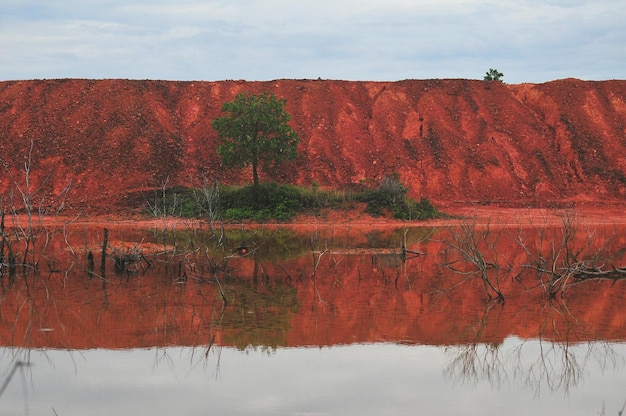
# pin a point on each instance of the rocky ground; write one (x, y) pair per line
(463, 144)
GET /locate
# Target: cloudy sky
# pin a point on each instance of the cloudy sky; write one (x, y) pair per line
(527, 40)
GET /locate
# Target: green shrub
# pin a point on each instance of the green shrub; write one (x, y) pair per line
(262, 202)
(421, 210)
(279, 202)
(391, 197)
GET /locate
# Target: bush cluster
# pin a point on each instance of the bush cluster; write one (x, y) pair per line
(391, 197)
(272, 201)
(261, 203)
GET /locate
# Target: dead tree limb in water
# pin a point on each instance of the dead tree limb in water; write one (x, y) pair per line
(105, 242)
(477, 249)
(567, 257)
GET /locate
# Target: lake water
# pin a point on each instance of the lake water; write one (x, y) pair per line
(323, 321)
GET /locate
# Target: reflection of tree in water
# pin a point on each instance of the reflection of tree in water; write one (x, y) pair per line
(475, 362)
(258, 313)
(478, 360)
(537, 364)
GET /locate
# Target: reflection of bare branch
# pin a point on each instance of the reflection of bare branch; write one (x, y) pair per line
(557, 366)
(18, 365)
(478, 360)
(535, 364)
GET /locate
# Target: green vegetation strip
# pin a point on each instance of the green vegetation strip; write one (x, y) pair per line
(272, 201)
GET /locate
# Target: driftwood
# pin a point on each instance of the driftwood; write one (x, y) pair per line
(558, 278)
(593, 272)
(370, 251)
(404, 253)
(581, 271)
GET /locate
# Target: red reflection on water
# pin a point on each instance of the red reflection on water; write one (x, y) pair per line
(313, 297)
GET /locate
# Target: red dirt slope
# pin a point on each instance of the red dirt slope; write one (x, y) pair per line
(452, 141)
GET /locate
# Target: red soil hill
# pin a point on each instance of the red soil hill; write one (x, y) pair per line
(450, 140)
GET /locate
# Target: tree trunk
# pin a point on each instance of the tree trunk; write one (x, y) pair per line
(255, 174)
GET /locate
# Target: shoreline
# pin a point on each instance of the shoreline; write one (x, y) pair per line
(482, 215)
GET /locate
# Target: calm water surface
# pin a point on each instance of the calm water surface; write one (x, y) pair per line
(323, 322)
(356, 379)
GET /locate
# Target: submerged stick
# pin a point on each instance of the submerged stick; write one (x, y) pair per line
(104, 252)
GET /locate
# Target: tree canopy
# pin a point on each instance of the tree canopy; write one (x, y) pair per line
(255, 133)
(493, 75)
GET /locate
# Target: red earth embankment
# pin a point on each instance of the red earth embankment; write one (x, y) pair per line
(455, 142)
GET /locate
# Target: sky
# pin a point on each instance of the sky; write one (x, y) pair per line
(375, 40)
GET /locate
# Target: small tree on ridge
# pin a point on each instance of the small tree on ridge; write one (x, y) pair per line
(255, 133)
(493, 75)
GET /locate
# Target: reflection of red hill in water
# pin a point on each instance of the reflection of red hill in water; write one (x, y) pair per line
(451, 140)
(354, 299)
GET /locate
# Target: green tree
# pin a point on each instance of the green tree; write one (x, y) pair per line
(493, 75)
(255, 132)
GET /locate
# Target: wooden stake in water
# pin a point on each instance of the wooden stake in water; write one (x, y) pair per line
(104, 252)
